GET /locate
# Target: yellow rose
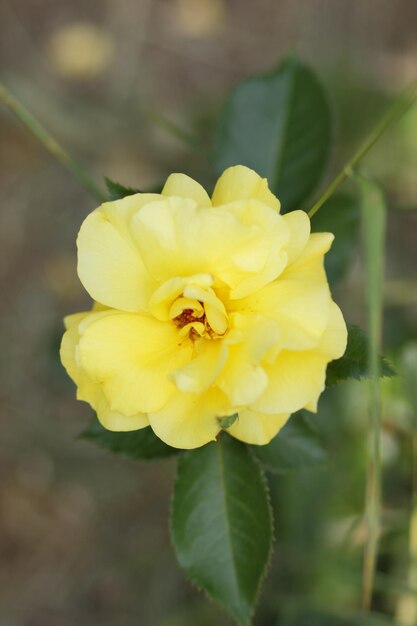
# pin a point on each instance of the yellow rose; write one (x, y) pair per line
(208, 308)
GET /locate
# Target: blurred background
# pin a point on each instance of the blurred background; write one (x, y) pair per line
(132, 89)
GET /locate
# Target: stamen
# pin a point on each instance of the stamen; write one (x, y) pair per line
(187, 317)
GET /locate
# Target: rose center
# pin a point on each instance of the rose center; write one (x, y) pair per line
(187, 317)
(196, 321)
(193, 305)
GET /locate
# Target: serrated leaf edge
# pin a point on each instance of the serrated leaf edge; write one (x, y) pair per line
(268, 562)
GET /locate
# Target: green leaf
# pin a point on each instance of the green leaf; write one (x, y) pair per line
(221, 523)
(118, 191)
(341, 216)
(296, 447)
(279, 125)
(137, 444)
(355, 362)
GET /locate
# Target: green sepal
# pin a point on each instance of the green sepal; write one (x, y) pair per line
(118, 191)
(227, 421)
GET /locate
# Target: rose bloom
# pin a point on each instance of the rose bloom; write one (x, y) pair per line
(205, 308)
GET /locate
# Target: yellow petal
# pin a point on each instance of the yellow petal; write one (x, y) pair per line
(298, 301)
(334, 339)
(242, 183)
(260, 335)
(112, 420)
(97, 307)
(164, 303)
(179, 239)
(317, 246)
(243, 379)
(190, 420)
(298, 224)
(297, 379)
(183, 186)
(68, 347)
(332, 345)
(74, 319)
(201, 372)
(213, 306)
(260, 256)
(300, 310)
(240, 244)
(294, 379)
(257, 428)
(88, 390)
(132, 356)
(110, 265)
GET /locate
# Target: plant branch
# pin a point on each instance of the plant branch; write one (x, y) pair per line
(172, 128)
(400, 106)
(374, 225)
(48, 142)
(407, 602)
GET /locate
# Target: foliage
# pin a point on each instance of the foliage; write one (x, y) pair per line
(118, 191)
(222, 524)
(355, 362)
(297, 446)
(279, 125)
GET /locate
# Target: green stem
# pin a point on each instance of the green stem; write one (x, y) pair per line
(173, 129)
(400, 106)
(407, 602)
(372, 515)
(374, 226)
(48, 142)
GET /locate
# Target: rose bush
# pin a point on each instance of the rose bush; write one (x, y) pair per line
(205, 309)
